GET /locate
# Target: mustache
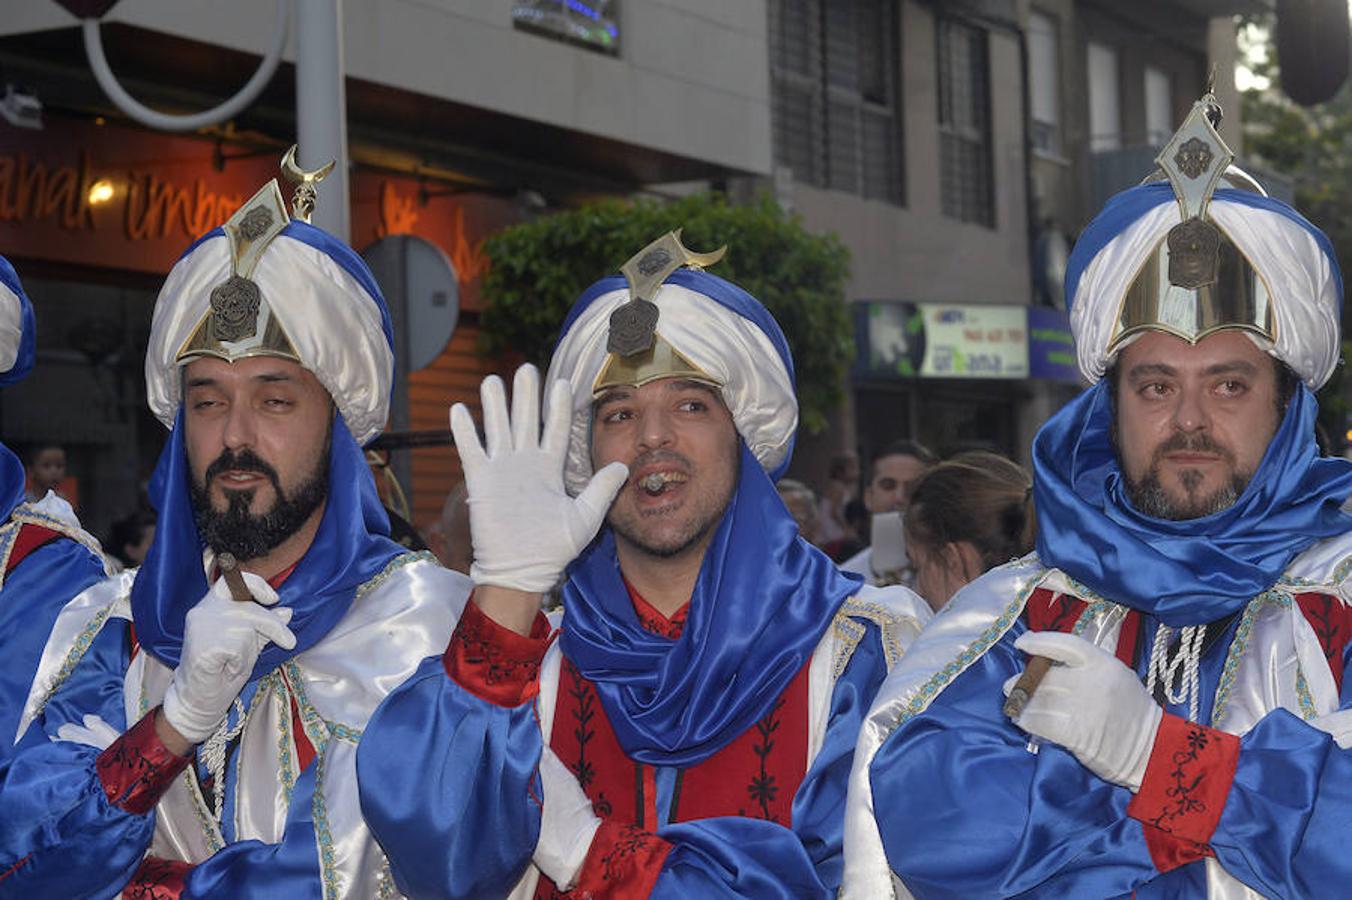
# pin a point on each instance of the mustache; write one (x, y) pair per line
(1196, 442)
(653, 457)
(243, 461)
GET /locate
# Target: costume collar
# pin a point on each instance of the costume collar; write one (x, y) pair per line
(351, 547)
(762, 602)
(1183, 572)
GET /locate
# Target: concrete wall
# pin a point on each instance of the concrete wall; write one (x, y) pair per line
(915, 252)
(692, 76)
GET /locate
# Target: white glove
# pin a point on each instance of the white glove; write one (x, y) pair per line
(1092, 705)
(222, 639)
(525, 527)
(567, 823)
(94, 732)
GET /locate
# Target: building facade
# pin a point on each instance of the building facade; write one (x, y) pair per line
(955, 146)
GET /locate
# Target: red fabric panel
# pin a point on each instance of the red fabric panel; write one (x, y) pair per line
(654, 621)
(583, 739)
(495, 663)
(1187, 779)
(758, 773)
(158, 879)
(1331, 620)
(1170, 852)
(305, 751)
(29, 538)
(1048, 611)
(624, 862)
(136, 769)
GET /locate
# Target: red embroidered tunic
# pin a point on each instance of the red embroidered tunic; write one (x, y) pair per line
(756, 775)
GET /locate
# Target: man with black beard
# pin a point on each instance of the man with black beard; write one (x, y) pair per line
(691, 730)
(1189, 601)
(178, 738)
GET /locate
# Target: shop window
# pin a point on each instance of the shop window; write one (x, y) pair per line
(836, 105)
(1044, 83)
(966, 170)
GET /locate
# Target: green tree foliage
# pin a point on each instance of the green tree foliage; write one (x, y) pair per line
(539, 268)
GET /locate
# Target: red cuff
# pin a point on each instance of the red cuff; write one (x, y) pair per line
(495, 663)
(1186, 782)
(137, 768)
(623, 862)
(158, 879)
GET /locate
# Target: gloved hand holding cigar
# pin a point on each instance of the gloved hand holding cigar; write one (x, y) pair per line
(222, 638)
(1092, 705)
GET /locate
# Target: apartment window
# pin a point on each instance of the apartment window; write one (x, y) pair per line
(1044, 83)
(1159, 106)
(966, 176)
(1105, 111)
(836, 107)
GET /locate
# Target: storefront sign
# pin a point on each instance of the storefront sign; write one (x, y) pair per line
(935, 340)
(124, 198)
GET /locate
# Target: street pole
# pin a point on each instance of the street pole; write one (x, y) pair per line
(321, 108)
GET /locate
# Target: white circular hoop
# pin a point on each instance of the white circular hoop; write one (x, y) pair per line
(93, 41)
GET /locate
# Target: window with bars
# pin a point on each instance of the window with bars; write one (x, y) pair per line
(836, 107)
(966, 168)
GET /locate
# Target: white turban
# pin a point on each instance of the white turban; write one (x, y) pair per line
(325, 300)
(1292, 257)
(716, 325)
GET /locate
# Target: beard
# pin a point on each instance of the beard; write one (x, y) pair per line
(251, 535)
(705, 511)
(1150, 497)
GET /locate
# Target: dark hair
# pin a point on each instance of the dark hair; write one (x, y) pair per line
(128, 530)
(902, 447)
(840, 465)
(33, 451)
(979, 497)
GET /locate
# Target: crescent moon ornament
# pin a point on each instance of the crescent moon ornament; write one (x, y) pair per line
(303, 201)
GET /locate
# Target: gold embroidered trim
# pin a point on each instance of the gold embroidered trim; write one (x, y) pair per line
(930, 689)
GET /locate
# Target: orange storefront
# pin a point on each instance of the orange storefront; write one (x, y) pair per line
(93, 216)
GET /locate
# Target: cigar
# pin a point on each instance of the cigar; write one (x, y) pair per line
(229, 567)
(1026, 686)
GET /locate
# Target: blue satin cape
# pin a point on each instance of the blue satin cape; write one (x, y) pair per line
(1191, 571)
(763, 599)
(351, 547)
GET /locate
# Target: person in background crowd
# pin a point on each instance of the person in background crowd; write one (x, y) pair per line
(129, 539)
(180, 740)
(46, 469)
(802, 505)
(890, 474)
(842, 486)
(449, 536)
(47, 559)
(967, 515)
(1189, 604)
(719, 663)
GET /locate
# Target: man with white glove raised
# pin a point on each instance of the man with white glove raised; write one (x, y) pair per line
(186, 737)
(689, 733)
(1190, 590)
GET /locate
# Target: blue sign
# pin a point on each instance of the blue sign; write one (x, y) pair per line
(1051, 346)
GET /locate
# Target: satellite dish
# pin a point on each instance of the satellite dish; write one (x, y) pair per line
(1312, 48)
(423, 293)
